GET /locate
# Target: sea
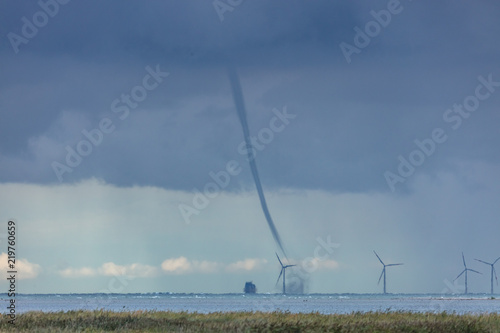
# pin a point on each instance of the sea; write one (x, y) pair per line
(303, 303)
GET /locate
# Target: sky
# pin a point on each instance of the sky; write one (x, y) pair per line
(375, 126)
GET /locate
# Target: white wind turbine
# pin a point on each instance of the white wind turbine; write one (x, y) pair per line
(383, 270)
(493, 271)
(283, 272)
(465, 271)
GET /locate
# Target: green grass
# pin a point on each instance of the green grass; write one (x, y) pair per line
(157, 321)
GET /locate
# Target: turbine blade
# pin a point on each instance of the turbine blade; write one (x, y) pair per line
(463, 258)
(394, 264)
(279, 259)
(474, 271)
(459, 275)
(484, 262)
(494, 262)
(378, 257)
(281, 272)
(289, 266)
(381, 276)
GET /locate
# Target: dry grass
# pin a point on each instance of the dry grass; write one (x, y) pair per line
(156, 321)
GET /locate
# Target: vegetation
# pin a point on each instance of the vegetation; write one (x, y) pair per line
(156, 321)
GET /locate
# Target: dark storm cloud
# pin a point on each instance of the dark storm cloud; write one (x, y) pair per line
(353, 120)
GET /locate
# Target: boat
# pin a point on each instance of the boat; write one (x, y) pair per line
(250, 288)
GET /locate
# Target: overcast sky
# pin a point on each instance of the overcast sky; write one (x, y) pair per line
(375, 124)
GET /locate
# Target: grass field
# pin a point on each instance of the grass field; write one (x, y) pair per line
(156, 321)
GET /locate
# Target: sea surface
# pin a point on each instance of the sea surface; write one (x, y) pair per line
(206, 303)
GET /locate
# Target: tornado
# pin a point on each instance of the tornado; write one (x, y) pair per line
(242, 115)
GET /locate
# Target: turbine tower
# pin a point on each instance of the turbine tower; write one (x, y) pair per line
(283, 271)
(383, 270)
(493, 271)
(465, 271)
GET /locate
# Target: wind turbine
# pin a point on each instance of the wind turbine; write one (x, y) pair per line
(383, 270)
(465, 271)
(283, 271)
(493, 272)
